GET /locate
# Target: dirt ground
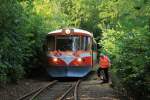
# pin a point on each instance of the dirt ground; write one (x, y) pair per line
(14, 91)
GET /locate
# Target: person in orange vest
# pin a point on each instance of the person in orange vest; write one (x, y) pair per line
(104, 64)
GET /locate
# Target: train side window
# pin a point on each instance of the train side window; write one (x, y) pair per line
(85, 43)
(94, 46)
(89, 44)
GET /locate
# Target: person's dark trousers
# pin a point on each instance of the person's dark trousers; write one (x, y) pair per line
(105, 72)
(98, 72)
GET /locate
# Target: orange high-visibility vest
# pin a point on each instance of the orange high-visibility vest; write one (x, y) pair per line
(104, 62)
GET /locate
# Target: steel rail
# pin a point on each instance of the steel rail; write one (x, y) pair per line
(37, 91)
(75, 87)
(28, 94)
(66, 93)
(76, 90)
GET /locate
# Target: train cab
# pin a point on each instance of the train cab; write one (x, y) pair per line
(70, 52)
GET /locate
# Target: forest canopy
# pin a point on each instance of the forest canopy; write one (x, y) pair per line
(120, 27)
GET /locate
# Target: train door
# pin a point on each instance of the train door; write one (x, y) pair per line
(94, 53)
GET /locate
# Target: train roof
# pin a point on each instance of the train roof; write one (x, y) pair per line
(74, 31)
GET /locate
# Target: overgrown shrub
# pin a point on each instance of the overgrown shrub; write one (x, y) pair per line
(12, 42)
(126, 39)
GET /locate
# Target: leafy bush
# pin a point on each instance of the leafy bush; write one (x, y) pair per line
(126, 39)
(12, 42)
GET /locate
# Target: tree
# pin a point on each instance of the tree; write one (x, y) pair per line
(125, 26)
(11, 40)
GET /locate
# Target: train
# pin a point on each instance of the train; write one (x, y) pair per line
(70, 52)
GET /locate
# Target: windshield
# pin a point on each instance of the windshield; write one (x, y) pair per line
(69, 43)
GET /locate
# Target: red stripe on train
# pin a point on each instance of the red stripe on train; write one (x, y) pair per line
(56, 62)
(85, 61)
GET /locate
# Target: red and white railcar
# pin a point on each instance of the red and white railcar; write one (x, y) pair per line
(70, 52)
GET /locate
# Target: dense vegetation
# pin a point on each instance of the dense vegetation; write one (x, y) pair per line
(126, 38)
(121, 27)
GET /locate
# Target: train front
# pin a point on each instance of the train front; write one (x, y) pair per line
(69, 53)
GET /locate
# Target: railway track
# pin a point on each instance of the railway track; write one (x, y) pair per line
(54, 91)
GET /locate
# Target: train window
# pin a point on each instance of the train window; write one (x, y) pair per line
(68, 43)
(51, 43)
(85, 43)
(94, 46)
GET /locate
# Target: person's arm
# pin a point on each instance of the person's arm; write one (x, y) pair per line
(108, 61)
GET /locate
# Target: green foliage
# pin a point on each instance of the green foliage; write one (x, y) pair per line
(125, 26)
(11, 44)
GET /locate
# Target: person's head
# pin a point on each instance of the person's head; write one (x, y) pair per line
(102, 55)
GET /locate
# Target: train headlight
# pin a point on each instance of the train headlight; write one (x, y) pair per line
(67, 31)
(79, 59)
(55, 59)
